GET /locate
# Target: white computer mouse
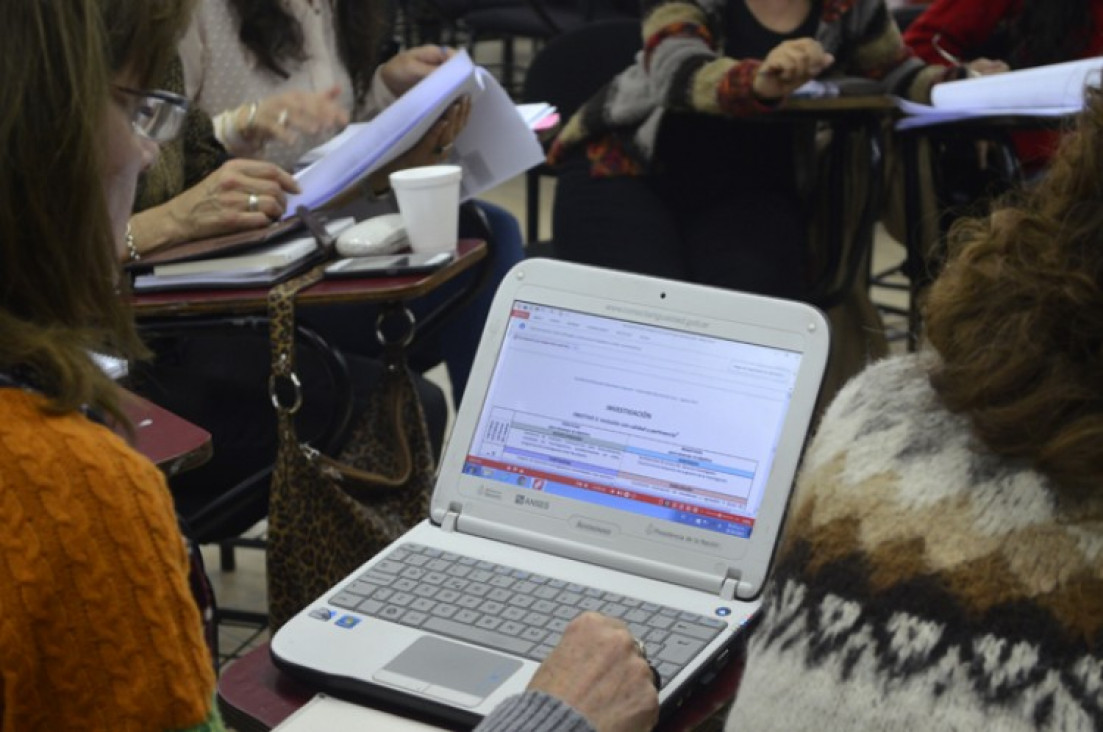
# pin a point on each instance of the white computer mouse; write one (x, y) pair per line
(378, 235)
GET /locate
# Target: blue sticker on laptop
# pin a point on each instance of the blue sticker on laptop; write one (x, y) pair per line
(348, 621)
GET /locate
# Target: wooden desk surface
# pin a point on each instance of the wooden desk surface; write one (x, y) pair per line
(255, 696)
(172, 443)
(255, 300)
(828, 105)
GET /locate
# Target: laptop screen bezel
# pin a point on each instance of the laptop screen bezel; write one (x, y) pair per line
(682, 553)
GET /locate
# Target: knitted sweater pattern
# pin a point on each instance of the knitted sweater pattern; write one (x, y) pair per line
(682, 68)
(925, 584)
(98, 629)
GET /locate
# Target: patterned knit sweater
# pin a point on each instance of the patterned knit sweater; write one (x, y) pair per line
(682, 68)
(98, 628)
(923, 584)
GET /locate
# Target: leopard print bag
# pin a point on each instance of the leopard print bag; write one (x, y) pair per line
(329, 514)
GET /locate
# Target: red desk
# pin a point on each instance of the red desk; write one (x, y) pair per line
(255, 696)
(172, 443)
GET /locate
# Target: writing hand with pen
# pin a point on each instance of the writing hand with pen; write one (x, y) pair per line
(789, 66)
(977, 67)
(973, 69)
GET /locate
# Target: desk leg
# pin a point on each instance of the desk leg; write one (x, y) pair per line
(915, 266)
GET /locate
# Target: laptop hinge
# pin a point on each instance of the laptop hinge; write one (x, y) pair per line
(732, 588)
(557, 546)
(451, 516)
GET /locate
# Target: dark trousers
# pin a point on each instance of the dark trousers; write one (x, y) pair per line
(730, 219)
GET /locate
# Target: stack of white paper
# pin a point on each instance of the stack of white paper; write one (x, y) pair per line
(1055, 90)
(496, 144)
(1052, 86)
(261, 259)
(535, 114)
(334, 715)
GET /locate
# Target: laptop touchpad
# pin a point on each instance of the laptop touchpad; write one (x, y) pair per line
(456, 674)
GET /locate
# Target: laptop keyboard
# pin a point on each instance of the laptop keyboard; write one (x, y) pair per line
(511, 610)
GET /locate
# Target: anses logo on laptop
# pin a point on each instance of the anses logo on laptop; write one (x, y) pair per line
(522, 500)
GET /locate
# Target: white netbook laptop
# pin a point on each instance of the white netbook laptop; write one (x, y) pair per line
(626, 444)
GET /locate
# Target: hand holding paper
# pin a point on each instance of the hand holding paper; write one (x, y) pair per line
(494, 145)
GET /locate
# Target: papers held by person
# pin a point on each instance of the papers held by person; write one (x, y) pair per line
(497, 144)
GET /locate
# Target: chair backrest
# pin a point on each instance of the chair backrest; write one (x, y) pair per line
(566, 72)
(905, 14)
(574, 65)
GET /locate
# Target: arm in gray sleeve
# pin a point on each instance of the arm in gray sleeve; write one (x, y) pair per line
(534, 711)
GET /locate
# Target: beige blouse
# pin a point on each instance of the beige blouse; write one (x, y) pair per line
(221, 74)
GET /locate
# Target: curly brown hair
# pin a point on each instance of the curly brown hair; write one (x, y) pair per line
(1017, 316)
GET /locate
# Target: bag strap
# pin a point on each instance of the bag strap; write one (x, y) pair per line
(396, 383)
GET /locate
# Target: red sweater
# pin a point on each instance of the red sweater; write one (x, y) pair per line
(965, 25)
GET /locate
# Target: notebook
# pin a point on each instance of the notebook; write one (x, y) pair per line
(626, 444)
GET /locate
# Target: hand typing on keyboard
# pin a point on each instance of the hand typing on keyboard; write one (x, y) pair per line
(598, 669)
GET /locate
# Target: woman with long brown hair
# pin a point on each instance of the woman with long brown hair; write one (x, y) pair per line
(98, 629)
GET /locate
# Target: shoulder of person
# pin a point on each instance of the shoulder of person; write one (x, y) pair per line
(76, 449)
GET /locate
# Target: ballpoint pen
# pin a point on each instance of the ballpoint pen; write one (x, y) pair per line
(969, 73)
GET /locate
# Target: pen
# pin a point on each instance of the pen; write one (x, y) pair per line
(969, 73)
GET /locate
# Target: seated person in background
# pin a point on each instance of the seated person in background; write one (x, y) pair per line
(195, 190)
(97, 626)
(219, 379)
(673, 169)
(281, 76)
(1022, 33)
(942, 566)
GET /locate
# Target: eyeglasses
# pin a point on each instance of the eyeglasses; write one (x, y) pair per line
(157, 115)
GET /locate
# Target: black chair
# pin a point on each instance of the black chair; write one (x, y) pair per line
(566, 72)
(538, 20)
(905, 14)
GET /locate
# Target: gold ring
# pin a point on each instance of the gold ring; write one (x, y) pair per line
(640, 648)
(254, 202)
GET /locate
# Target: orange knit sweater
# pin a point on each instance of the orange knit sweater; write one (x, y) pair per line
(98, 629)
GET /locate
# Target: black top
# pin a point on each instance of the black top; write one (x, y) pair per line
(733, 155)
(746, 37)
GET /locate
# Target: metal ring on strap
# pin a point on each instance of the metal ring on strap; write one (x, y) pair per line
(296, 385)
(411, 327)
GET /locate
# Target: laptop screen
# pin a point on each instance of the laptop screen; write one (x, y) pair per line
(659, 422)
